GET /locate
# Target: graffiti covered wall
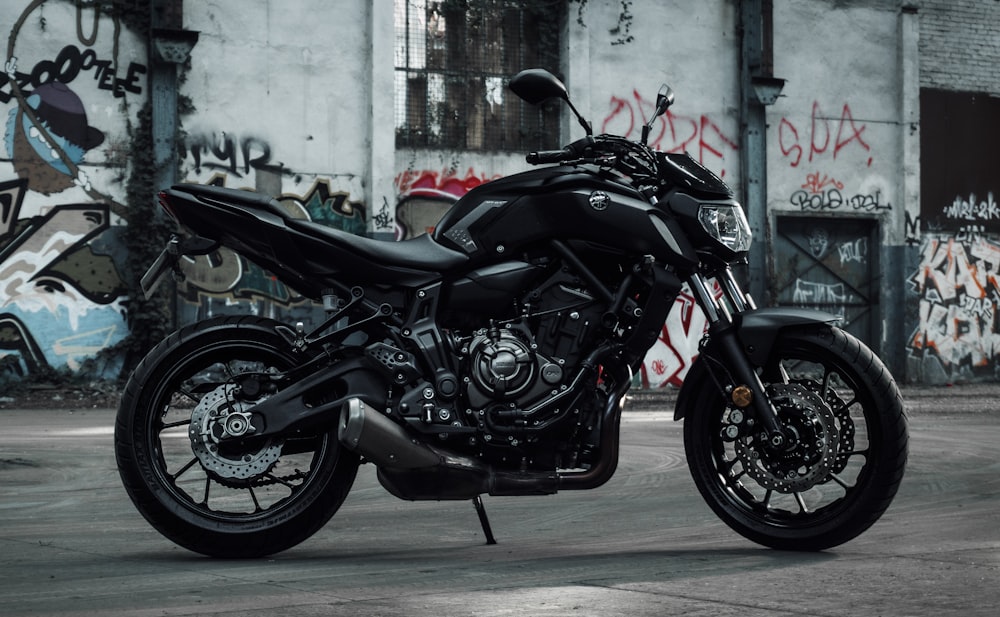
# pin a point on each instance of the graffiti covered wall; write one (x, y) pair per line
(74, 78)
(955, 286)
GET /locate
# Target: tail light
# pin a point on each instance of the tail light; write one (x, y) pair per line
(165, 204)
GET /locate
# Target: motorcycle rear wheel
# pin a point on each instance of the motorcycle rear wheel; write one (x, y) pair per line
(222, 499)
(845, 409)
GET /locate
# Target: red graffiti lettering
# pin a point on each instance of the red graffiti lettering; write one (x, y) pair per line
(446, 180)
(672, 132)
(821, 128)
(816, 184)
(787, 133)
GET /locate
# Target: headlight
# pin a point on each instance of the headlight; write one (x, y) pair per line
(727, 224)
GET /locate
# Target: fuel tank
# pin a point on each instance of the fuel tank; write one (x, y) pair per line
(563, 202)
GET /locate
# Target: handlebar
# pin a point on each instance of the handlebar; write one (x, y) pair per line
(550, 156)
(579, 149)
(631, 158)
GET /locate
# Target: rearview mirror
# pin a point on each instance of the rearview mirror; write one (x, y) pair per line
(538, 85)
(535, 86)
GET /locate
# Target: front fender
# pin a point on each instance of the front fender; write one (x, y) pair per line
(757, 331)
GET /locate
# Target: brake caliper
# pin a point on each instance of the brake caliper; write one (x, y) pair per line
(810, 454)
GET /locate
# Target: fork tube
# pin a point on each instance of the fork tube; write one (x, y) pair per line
(739, 300)
(723, 332)
(714, 311)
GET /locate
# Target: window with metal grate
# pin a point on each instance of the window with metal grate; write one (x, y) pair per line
(453, 60)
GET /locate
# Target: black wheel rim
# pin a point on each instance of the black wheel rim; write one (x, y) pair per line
(205, 492)
(848, 470)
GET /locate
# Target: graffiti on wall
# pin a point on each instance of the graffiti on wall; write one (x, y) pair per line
(824, 138)
(47, 133)
(224, 151)
(827, 141)
(701, 136)
(62, 296)
(958, 289)
(955, 291)
(423, 196)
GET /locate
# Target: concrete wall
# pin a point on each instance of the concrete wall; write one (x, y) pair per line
(842, 151)
(295, 99)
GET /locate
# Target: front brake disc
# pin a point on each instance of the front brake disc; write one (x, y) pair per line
(812, 451)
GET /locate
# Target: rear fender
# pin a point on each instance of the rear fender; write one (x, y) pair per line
(757, 331)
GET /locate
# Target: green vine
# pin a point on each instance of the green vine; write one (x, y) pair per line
(148, 319)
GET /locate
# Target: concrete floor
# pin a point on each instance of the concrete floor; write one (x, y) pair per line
(644, 544)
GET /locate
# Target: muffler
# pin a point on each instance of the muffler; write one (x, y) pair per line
(380, 440)
(412, 470)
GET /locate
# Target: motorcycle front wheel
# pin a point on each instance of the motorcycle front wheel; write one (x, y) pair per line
(844, 461)
(230, 498)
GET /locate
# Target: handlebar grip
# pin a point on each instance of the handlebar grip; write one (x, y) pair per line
(549, 156)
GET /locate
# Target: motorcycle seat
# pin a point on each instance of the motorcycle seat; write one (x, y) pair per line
(421, 253)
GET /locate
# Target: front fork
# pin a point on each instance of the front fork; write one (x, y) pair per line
(730, 366)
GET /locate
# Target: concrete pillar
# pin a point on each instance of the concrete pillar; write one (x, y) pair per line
(901, 252)
(380, 194)
(753, 146)
(576, 69)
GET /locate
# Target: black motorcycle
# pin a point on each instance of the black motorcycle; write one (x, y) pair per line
(493, 357)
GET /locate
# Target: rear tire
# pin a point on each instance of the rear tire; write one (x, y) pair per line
(845, 407)
(222, 499)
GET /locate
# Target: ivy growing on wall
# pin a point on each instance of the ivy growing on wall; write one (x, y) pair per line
(150, 319)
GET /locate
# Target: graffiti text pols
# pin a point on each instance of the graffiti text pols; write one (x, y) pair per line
(833, 199)
(67, 66)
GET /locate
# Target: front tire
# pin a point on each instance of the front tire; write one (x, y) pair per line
(846, 412)
(231, 499)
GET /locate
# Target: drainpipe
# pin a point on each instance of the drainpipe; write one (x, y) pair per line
(169, 46)
(758, 89)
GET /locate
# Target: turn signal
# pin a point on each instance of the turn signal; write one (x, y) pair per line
(741, 396)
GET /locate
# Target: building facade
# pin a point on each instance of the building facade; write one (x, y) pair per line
(866, 167)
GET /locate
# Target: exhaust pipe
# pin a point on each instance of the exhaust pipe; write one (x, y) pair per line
(412, 470)
(380, 440)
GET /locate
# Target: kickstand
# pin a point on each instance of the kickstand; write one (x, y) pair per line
(483, 519)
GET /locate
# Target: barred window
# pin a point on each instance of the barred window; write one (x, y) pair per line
(453, 61)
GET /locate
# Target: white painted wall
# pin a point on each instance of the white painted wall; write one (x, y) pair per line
(839, 113)
(692, 46)
(293, 78)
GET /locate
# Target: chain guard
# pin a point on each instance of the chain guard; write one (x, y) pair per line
(213, 423)
(814, 452)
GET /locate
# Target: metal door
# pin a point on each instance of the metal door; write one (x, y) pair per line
(830, 264)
